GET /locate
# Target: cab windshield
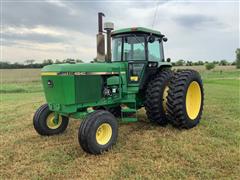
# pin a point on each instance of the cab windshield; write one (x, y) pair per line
(134, 49)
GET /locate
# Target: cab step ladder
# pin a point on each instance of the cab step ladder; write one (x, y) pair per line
(129, 114)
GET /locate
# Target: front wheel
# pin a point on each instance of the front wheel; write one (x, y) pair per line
(98, 132)
(45, 124)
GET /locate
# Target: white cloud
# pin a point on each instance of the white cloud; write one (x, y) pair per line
(74, 44)
(57, 3)
(62, 5)
(196, 30)
(38, 30)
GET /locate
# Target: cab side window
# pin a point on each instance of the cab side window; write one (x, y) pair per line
(154, 51)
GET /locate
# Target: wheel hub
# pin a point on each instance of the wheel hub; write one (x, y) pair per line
(53, 123)
(193, 100)
(103, 134)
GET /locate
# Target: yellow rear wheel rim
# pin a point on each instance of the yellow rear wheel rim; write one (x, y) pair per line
(193, 100)
(103, 133)
(165, 94)
(51, 123)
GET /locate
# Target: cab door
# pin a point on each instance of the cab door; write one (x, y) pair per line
(134, 52)
(136, 72)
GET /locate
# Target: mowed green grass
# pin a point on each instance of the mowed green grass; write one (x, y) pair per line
(143, 150)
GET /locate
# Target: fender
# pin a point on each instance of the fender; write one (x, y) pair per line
(150, 72)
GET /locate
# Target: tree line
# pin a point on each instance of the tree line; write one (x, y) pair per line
(182, 62)
(211, 65)
(31, 63)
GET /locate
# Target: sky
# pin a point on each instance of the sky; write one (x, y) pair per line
(55, 29)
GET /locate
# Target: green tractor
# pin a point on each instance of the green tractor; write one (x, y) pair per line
(133, 74)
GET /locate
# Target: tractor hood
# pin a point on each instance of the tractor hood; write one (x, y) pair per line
(82, 68)
(68, 84)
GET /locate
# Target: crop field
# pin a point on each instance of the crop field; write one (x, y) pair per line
(143, 150)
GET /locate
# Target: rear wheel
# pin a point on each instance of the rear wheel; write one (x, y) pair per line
(45, 123)
(98, 132)
(185, 99)
(156, 97)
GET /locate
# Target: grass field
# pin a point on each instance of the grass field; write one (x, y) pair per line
(143, 151)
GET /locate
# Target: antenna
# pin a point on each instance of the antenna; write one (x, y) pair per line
(155, 14)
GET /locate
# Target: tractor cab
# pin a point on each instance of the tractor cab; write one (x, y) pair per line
(141, 49)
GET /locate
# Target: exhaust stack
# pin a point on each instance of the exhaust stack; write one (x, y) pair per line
(100, 39)
(108, 26)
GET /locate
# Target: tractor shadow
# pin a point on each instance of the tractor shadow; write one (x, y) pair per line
(134, 135)
(67, 143)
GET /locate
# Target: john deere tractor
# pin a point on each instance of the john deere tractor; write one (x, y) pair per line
(133, 74)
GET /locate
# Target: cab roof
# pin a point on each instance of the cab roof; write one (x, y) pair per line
(137, 29)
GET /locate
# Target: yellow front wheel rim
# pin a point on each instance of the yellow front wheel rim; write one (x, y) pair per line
(193, 100)
(103, 133)
(53, 124)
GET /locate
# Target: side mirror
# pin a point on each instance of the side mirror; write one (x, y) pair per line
(168, 59)
(164, 39)
(151, 39)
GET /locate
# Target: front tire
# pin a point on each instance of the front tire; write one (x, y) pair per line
(45, 124)
(98, 132)
(185, 99)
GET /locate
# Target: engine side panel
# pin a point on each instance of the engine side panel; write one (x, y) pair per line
(88, 88)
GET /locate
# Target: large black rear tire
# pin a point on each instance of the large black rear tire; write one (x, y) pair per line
(155, 99)
(98, 132)
(44, 124)
(185, 99)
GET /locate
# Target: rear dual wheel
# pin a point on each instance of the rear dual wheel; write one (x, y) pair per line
(98, 132)
(185, 99)
(175, 97)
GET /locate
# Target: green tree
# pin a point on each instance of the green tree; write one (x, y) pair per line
(47, 61)
(210, 66)
(180, 62)
(69, 60)
(79, 61)
(238, 58)
(199, 63)
(94, 60)
(57, 61)
(173, 64)
(223, 62)
(4, 65)
(189, 63)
